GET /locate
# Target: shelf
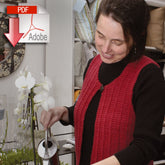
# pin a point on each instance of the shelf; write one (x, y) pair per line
(77, 88)
(159, 162)
(156, 3)
(63, 151)
(155, 54)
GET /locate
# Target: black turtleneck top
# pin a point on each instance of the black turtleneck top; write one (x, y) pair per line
(149, 106)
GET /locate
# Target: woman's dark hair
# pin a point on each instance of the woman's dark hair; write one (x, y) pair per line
(133, 15)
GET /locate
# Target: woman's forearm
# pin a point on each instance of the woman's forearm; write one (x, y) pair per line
(65, 115)
(108, 161)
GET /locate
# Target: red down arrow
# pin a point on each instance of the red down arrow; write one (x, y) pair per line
(13, 36)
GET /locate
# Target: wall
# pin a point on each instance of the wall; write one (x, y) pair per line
(54, 59)
(33, 53)
(59, 51)
(59, 59)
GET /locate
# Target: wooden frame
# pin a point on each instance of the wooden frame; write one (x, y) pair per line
(11, 60)
(13, 1)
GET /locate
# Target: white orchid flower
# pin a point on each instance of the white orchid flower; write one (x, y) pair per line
(45, 82)
(30, 81)
(48, 104)
(20, 82)
(24, 121)
(51, 102)
(24, 71)
(45, 101)
(23, 95)
(23, 82)
(38, 98)
(18, 109)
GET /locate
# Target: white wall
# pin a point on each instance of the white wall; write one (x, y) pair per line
(59, 61)
(59, 51)
(54, 58)
(34, 59)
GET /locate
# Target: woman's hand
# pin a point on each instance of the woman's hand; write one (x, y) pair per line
(108, 161)
(48, 118)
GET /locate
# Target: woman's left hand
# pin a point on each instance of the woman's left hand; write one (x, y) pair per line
(108, 161)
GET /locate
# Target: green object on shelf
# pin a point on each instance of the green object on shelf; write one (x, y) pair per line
(18, 156)
(62, 163)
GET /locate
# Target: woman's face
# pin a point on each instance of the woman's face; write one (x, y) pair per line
(110, 41)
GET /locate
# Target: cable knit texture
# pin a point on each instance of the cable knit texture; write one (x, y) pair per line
(115, 118)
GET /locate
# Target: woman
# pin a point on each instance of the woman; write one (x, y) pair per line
(119, 113)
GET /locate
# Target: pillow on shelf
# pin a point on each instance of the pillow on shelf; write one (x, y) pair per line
(94, 8)
(90, 51)
(155, 31)
(84, 25)
(78, 51)
(90, 1)
(82, 53)
(156, 3)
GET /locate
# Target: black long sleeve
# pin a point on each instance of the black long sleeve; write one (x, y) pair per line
(149, 105)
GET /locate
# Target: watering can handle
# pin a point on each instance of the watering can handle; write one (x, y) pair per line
(48, 131)
(46, 142)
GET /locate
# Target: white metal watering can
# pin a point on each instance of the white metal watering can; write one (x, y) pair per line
(47, 150)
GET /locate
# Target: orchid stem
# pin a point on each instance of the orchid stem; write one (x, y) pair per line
(33, 124)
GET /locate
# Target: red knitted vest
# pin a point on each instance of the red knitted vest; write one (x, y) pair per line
(115, 118)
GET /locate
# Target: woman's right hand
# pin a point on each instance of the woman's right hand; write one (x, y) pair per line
(48, 118)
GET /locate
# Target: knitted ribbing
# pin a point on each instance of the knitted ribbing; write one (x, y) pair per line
(115, 119)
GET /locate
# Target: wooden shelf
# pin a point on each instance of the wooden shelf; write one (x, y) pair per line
(155, 54)
(77, 88)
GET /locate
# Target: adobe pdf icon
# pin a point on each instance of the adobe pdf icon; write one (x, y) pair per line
(34, 26)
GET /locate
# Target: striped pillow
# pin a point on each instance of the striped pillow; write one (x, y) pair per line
(94, 8)
(84, 25)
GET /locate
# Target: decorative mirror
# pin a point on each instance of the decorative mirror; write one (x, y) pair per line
(13, 1)
(10, 57)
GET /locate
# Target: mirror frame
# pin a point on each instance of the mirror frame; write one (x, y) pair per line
(13, 61)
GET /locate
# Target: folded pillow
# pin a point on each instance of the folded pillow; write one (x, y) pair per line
(90, 51)
(156, 3)
(78, 51)
(155, 31)
(84, 25)
(94, 8)
(90, 1)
